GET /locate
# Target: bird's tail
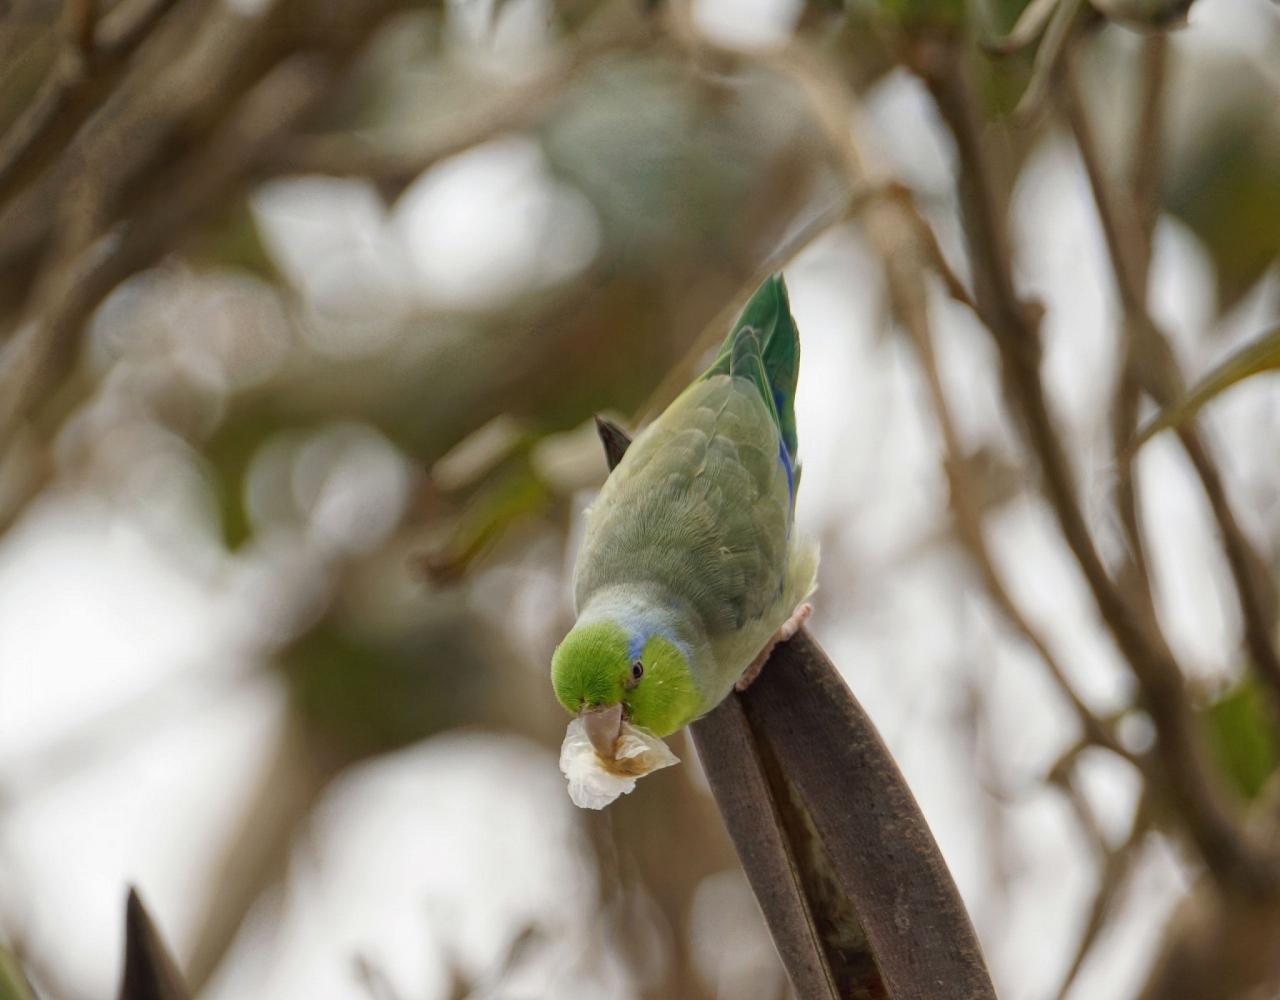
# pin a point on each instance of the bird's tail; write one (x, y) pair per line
(764, 347)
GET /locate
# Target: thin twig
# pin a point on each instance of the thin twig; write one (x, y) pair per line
(969, 531)
(1029, 26)
(1044, 68)
(1148, 142)
(1118, 865)
(1148, 146)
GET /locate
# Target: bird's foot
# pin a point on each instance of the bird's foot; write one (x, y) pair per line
(789, 628)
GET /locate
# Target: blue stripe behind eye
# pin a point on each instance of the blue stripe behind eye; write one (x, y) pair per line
(640, 636)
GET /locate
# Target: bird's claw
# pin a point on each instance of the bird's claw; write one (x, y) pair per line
(789, 628)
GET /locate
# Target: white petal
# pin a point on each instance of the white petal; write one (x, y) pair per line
(592, 785)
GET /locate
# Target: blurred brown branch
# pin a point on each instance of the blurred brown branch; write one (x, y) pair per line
(84, 75)
(44, 348)
(346, 155)
(1220, 837)
(296, 72)
(1155, 368)
(909, 250)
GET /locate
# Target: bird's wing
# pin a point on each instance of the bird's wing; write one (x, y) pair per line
(700, 505)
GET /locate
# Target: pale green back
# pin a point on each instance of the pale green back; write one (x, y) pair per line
(700, 505)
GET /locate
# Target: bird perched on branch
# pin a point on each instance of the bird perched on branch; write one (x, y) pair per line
(691, 569)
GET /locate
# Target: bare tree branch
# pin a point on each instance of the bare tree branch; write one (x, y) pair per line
(1145, 170)
(521, 108)
(32, 362)
(284, 77)
(1215, 830)
(1117, 867)
(1157, 371)
(907, 246)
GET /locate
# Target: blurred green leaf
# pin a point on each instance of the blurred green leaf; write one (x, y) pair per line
(366, 688)
(1262, 355)
(1227, 190)
(232, 239)
(1243, 737)
(514, 495)
(13, 984)
(933, 16)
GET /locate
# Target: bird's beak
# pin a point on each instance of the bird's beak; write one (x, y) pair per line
(604, 726)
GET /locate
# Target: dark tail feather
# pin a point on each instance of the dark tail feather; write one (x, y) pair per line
(764, 346)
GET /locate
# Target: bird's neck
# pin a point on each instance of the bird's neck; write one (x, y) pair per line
(645, 611)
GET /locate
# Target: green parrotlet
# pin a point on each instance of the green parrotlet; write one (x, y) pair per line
(691, 567)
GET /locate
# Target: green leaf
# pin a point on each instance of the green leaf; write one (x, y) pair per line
(1242, 736)
(1224, 181)
(1260, 356)
(13, 984)
(513, 493)
(231, 238)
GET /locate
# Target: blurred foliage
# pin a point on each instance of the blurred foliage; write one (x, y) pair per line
(1243, 736)
(232, 239)
(370, 690)
(1225, 185)
(13, 983)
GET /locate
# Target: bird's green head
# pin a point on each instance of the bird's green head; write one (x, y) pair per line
(605, 672)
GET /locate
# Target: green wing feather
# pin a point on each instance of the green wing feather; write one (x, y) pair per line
(767, 329)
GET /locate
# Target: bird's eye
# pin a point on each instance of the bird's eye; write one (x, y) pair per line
(637, 670)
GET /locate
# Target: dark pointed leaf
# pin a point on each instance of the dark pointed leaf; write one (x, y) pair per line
(149, 971)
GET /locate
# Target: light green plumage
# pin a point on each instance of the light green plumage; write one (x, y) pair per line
(690, 563)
